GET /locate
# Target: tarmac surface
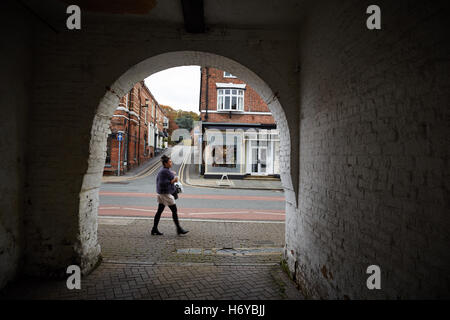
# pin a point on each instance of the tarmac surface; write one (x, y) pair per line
(135, 194)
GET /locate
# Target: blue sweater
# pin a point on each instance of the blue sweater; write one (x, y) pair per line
(163, 179)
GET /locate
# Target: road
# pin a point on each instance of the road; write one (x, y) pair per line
(138, 198)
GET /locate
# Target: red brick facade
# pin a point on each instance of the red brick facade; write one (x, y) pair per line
(171, 115)
(231, 110)
(138, 112)
(253, 103)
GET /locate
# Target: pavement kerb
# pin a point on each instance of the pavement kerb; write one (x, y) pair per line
(195, 219)
(156, 263)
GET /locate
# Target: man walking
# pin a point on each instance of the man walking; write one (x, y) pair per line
(165, 189)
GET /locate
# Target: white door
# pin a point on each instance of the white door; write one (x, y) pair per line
(262, 160)
(258, 159)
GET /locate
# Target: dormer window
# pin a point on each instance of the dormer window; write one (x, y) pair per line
(228, 75)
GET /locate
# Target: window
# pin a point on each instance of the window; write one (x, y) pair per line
(225, 156)
(108, 151)
(224, 152)
(230, 99)
(145, 145)
(228, 75)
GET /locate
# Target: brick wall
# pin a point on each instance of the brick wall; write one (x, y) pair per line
(238, 118)
(373, 153)
(15, 97)
(372, 128)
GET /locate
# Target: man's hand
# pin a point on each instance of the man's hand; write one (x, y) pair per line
(174, 180)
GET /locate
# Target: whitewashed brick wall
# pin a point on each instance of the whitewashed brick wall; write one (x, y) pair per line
(374, 148)
(364, 162)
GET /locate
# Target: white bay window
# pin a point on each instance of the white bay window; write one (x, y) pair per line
(230, 99)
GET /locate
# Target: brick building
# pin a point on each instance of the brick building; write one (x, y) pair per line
(234, 114)
(140, 121)
(160, 131)
(171, 115)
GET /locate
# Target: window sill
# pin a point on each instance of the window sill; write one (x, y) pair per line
(228, 111)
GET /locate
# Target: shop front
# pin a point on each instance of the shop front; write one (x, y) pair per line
(240, 151)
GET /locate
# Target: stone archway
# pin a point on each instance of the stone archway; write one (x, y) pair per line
(88, 247)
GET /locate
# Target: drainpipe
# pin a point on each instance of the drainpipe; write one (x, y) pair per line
(128, 128)
(200, 95)
(139, 130)
(207, 89)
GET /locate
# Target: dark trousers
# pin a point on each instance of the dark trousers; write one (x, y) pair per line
(172, 208)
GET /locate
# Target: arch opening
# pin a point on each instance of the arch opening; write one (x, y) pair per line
(88, 247)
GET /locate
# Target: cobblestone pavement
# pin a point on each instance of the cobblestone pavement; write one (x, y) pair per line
(129, 240)
(137, 265)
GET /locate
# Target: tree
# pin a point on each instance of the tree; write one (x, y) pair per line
(183, 119)
(185, 122)
(180, 119)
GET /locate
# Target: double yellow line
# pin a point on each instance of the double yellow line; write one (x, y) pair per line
(183, 165)
(158, 165)
(148, 172)
(181, 174)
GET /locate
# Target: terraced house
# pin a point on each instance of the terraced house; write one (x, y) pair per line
(234, 114)
(138, 128)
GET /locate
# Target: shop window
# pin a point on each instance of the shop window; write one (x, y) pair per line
(223, 152)
(225, 156)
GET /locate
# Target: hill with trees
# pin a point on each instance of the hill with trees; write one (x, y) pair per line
(180, 119)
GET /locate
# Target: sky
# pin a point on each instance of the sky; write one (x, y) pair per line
(176, 87)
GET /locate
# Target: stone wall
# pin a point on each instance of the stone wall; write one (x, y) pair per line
(374, 134)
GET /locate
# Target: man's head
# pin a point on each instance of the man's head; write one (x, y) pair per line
(166, 161)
